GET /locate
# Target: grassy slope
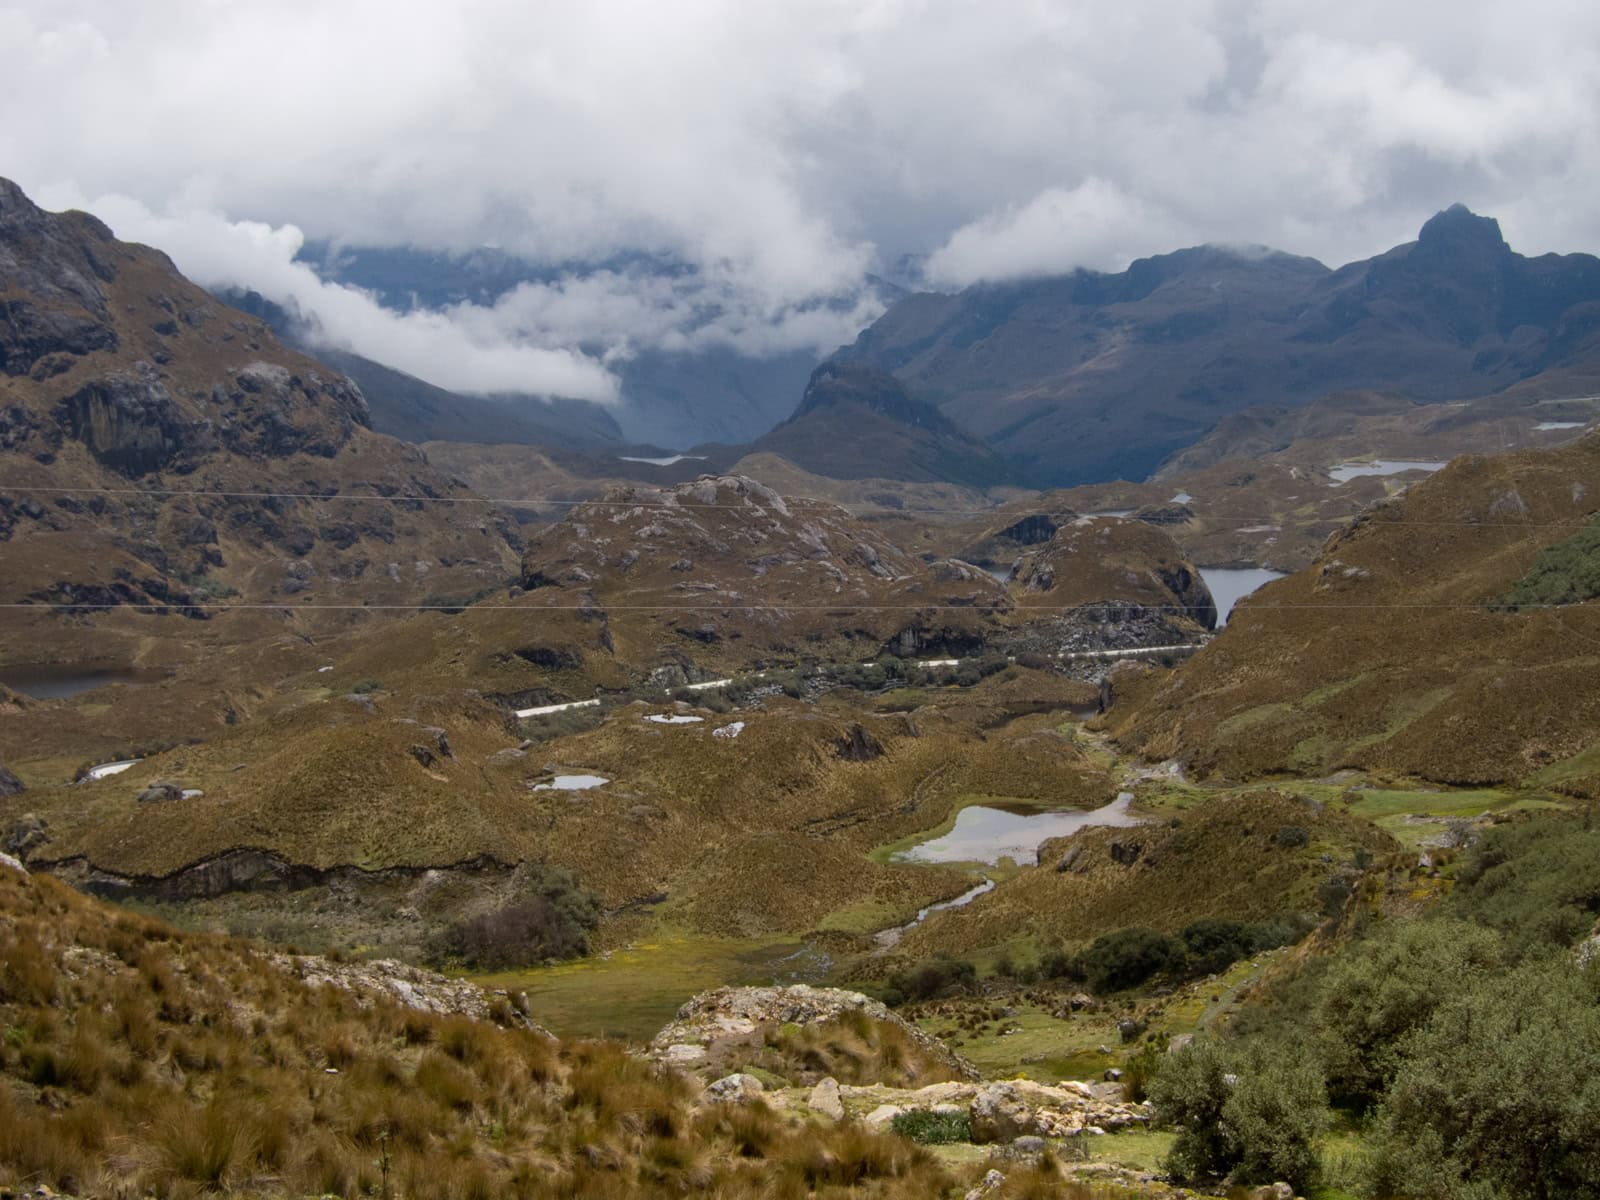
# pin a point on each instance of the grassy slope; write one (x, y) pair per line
(1384, 654)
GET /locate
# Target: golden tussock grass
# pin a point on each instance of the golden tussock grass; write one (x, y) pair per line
(138, 1060)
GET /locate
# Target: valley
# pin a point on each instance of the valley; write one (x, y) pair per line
(846, 812)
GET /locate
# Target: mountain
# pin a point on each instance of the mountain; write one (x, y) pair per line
(161, 449)
(1451, 632)
(857, 422)
(414, 410)
(1091, 376)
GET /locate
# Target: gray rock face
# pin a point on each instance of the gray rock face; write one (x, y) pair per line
(10, 785)
(129, 424)
(158, 793)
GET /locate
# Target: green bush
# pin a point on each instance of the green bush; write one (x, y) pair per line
(1385, 987)
(551, 919)
(1254, 1114)
(1497, 1096)
(929, 981)
(929, 1128)
(1535, 882)
(1128, 957)
(1565, 573)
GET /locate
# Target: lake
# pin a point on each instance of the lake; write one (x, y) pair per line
(1229, 585)
(1345, 472)
(57, 681)
(986, 835)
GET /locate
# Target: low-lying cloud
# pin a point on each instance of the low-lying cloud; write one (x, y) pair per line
(780, 153)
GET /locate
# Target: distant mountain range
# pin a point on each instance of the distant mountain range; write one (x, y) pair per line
(1087, 377)
(1062, 380)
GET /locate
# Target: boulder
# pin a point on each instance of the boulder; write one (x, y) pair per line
(1272, 1191)
(858, 745)
(158, 793)
(734, 1089)
(999, 1115)
(883, 1115)
(992, 1180)
(10, 785)
(825, 1100)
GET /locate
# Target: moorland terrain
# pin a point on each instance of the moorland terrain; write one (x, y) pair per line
(476, 820)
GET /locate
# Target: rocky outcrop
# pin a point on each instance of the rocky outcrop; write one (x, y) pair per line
(10, 785)
(425, 991)
(734, 1013)
(27, 833)
(998, 1113)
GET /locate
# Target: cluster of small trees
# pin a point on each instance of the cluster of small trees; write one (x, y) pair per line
(552, 917)
(1467, 1043)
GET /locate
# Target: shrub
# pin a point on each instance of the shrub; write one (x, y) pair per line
(1128, 957)
(1382, 989)
(1292, 837)
(1565, 573)
(552, 921)
(929, 981)
(1535, 882)
(1255, 1115)
(1496, 1096)
(929, 1128)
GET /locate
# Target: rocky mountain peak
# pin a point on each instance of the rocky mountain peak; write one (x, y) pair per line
(836, 384)
(1459, 230)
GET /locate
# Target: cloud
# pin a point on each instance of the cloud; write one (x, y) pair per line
(1094, 225)
(779, 152)
(456, 349)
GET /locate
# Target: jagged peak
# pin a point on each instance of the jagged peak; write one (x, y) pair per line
(1458, 226)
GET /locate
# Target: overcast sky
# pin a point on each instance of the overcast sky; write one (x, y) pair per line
(781, 149)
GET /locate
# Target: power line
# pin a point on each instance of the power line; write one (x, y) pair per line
(726, 607)
(557, 502)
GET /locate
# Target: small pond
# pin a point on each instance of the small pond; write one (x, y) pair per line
(1543, 425)
(57, 681)
(984, 834)
(571, 783)
(1345, 472)
(678, 719)
(1229, 585)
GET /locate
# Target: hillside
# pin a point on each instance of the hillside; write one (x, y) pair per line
(165, 451)
(1090, 377)
(1388, 652)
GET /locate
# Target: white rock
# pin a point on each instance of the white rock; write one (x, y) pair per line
(7, 861)
(883, 1114)
(825, 1100)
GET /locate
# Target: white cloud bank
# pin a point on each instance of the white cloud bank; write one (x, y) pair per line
(781, 151)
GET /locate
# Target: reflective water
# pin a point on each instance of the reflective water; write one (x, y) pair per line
(571, 783)
(664, 462)
(986, 835)
(57, 681)
(887, 939)
(1542, 425)
(1345, 472)
(1229, 585)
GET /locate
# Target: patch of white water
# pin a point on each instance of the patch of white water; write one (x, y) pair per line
(545, 710)
(678, 719)
(887, 939)
(664, 462)
(110, 768)
(1345, 472)
(987, 835)
(1229, 585)
(571, 783)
